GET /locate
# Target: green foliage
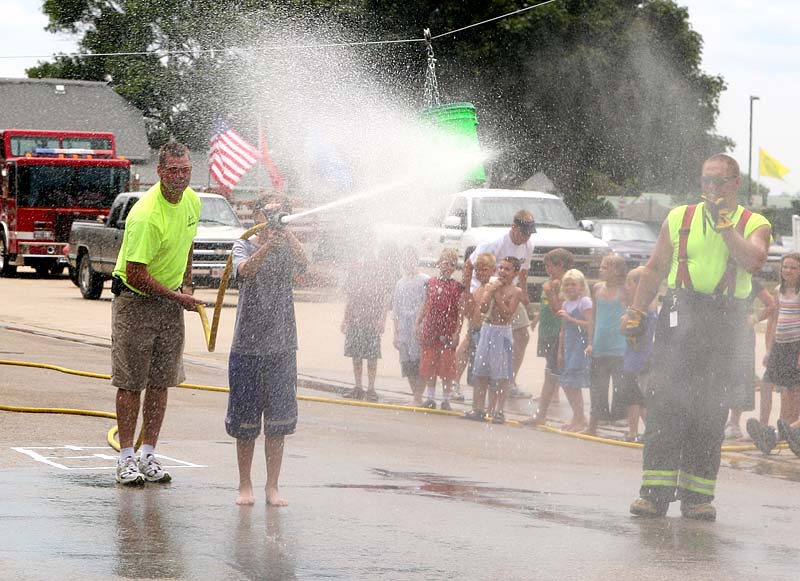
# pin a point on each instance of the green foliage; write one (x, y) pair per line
(756, 190)
(780, 218)
(578, 89)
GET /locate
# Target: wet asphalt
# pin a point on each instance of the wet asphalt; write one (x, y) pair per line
(373, 494)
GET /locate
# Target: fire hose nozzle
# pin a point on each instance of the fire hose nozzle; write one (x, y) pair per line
(277, 220)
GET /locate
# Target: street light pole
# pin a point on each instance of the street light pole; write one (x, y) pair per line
(750, 156)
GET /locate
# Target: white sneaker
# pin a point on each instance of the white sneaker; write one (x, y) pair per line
(152, 471)
(128, 472)
(732, 432)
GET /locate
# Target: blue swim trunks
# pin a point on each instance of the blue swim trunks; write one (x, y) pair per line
(262, 385)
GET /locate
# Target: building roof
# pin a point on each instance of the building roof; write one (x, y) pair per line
(61, 104)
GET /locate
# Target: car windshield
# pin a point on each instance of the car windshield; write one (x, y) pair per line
(627, 231)
(218, 211)
(67, 186)
(548, 212)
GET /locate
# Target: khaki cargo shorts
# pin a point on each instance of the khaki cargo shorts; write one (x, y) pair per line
(520, 318)
(147, 336)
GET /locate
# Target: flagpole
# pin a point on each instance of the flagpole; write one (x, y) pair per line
(758, 180)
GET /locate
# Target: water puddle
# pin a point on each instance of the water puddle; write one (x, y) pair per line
(783, 465)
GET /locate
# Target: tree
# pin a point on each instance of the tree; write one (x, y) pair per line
(576, 89)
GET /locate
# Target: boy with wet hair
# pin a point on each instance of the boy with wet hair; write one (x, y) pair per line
(556, 263)
(494, 362)
(485, 265)
(262, 367)
(438, 325)
(409, 294)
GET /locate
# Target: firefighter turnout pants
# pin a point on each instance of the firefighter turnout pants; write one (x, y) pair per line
(696, 360)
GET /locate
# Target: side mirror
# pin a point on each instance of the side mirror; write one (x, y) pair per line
(453, 222)
(587, 225)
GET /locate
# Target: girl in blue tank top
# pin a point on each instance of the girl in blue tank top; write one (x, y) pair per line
(608, 346)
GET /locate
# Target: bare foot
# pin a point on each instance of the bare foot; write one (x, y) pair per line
(417, 403)
(574, 427)
(274, 498)
(245, 494)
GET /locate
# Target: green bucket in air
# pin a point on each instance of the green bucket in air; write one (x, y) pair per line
(458, 123)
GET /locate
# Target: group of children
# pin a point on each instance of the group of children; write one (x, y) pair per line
(579, 337)
(583, 345)
(428, 315)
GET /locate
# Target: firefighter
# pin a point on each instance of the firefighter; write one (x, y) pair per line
(707, 252)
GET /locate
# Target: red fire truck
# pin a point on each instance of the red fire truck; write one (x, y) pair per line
(49, 179)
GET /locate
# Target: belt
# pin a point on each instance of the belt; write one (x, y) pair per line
(118, 287)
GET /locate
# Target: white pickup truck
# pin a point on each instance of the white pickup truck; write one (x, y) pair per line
(467, 219)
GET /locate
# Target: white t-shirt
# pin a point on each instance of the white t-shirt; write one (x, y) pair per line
(501, 248)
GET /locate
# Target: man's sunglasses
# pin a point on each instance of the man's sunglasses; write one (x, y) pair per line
(526, 227)
(716, 180)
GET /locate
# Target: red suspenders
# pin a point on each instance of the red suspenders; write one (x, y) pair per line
(682, 278)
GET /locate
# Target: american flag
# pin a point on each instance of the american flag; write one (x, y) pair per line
(231, 156)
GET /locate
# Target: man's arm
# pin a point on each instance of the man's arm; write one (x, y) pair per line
(138, 277)
(187, 274)
(749, 253)
(522, 283)
(466, 274)
(655, 271)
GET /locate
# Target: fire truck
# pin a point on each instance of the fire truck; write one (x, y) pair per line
(49, 179)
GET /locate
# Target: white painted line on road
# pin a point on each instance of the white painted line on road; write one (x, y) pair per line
(39, 458)
(70, 464)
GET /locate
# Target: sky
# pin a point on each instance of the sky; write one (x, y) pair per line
(754, 46)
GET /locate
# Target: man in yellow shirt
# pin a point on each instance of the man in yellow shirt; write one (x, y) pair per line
(152, 287)
(707, 252)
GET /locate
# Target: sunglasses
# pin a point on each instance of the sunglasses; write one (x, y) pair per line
(177, 170)
(716, 180)
(526, 227)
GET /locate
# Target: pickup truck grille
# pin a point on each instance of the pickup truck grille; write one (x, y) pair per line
(207, 252)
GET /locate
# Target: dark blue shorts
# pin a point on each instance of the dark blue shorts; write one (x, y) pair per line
(262, 385)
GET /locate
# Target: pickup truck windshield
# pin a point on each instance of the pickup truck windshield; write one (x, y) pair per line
(218, 211)
(20, 145)
(549, 212)
(66, 186)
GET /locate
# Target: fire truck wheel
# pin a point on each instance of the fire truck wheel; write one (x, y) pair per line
(6, 269)
(90, 283)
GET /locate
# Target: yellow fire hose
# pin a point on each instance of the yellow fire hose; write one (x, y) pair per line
(111, 437)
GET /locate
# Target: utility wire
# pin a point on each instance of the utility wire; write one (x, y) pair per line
(278, 47)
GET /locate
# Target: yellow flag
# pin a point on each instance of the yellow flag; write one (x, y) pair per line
(770, 167)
